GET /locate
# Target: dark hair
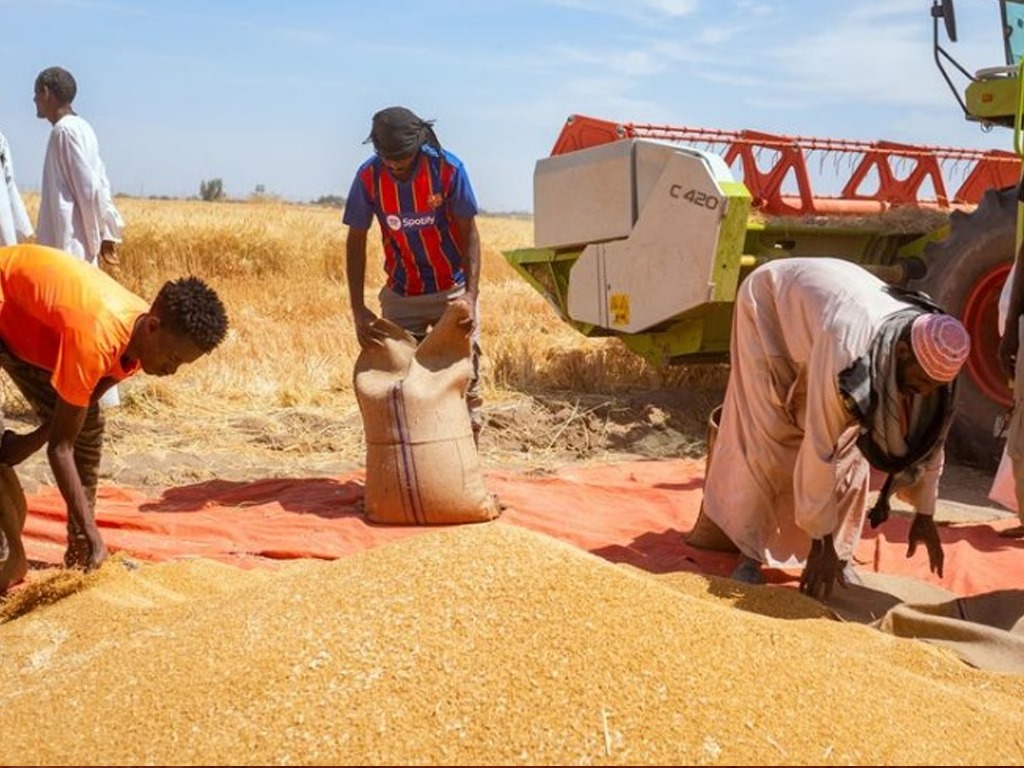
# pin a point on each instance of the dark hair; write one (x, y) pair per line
(60, 83)
(188, 307)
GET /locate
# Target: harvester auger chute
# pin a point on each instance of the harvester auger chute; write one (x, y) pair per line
(644, 232)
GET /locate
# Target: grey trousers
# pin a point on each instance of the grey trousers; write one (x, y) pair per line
(34, 385)
(418, 314)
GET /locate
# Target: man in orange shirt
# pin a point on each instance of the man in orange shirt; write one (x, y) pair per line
(68, 332)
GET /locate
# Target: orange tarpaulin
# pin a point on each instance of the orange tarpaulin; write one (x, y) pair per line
(634, 512)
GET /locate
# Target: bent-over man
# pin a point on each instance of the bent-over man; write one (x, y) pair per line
(832, 371)
(68, 332)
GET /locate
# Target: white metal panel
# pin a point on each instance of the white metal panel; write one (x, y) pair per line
(585, 196)
(666, 265)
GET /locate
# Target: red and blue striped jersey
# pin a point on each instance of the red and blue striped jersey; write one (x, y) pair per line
(417, 219)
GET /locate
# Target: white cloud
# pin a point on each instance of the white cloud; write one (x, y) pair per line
(736, 79)
(685, 53)
(879, 54)
(637, 9)
(754, 8)
(630, 63)
(880, 10)
(718, 35)
(884, 64)
(673, 8)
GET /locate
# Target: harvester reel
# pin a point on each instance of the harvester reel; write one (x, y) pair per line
(966, 272)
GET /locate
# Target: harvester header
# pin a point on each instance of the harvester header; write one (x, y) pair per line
(872, 176)
(644, 233)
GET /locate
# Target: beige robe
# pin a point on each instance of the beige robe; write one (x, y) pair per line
(786, 467)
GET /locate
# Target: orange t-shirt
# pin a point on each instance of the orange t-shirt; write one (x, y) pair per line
(64, 315)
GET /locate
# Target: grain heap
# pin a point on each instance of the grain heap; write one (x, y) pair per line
(484, 644)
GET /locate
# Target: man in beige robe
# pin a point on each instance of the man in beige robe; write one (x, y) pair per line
(830, 369)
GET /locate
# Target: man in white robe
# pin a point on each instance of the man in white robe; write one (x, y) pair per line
(15, 226)
(830, 369)
(76, 210)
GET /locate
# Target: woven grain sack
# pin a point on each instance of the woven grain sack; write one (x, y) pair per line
(422, 466)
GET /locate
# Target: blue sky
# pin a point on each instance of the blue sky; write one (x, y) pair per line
(281, 93)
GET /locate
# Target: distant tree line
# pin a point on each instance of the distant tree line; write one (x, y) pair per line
(212, 190)
(331, 201)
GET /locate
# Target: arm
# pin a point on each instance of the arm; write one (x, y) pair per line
(112, 223)
(922, 494)
(816, 476)
(462, 202)
(469, 243)
(818, 508)
(85, 546)
(15, 448)
(355, 272)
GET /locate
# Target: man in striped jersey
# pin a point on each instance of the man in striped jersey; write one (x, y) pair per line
(423, 201)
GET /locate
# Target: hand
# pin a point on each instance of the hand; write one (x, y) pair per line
(108, 253)
(85, 551)
(1008, 346)
(365, 332)
(923, 531)
(468, 303)
(823, 570)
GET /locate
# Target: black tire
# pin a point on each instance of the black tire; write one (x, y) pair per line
(978, 242)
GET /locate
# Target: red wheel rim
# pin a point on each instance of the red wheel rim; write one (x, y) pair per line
(981, 311)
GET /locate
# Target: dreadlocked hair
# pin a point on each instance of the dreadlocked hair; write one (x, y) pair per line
(188, 307)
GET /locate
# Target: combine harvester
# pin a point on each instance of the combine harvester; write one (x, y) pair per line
(644, 232)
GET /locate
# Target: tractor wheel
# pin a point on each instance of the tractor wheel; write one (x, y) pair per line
(966, 272)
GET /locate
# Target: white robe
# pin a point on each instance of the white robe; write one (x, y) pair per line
(786, 468)
(15, 226)
(76, 210)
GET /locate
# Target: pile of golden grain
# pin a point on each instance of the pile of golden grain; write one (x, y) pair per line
(482, 644)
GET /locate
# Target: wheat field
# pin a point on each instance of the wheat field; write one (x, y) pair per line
(280, 269)
(291, 346)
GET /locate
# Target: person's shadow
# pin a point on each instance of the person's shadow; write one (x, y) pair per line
(323, 496)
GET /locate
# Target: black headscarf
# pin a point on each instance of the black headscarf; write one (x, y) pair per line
(397, 132)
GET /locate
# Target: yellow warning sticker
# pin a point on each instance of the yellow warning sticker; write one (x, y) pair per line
(618, 308)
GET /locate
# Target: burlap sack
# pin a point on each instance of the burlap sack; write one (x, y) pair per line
(422, 466)
(13, 510)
